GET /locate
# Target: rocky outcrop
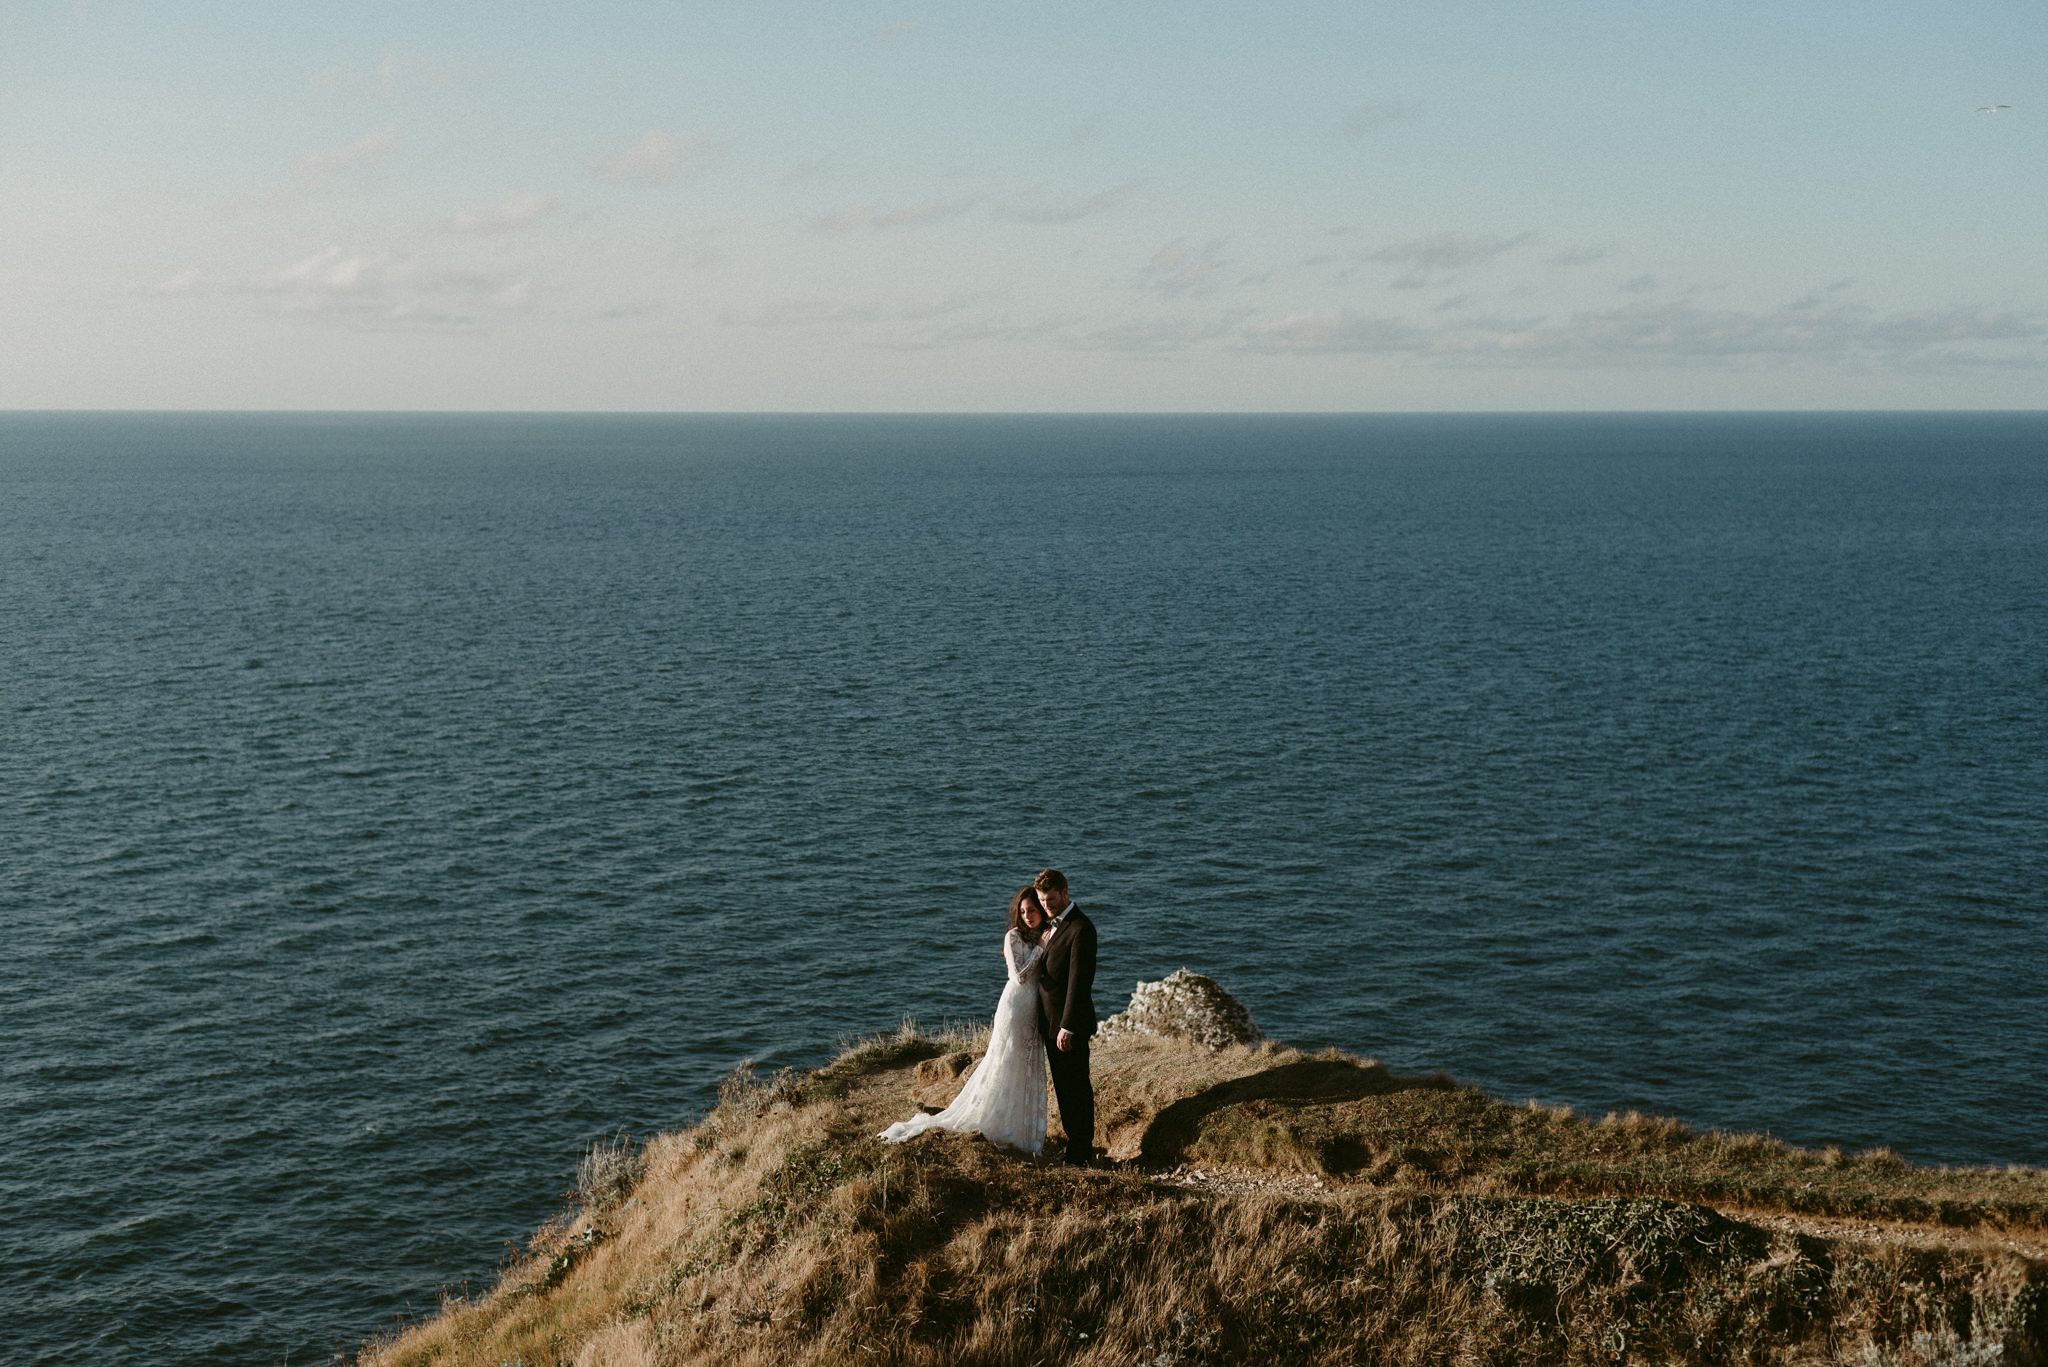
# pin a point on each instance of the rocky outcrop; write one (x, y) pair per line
(1184, 1005)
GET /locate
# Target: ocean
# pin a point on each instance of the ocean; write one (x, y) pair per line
(392, 805)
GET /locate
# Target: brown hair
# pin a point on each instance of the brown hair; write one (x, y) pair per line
(1025, 894)
(1052, 880)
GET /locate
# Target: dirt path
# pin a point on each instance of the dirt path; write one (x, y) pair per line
(2023, 1243)
(2027, 1243)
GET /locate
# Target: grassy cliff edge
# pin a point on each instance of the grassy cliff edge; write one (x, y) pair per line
(1267, 1206)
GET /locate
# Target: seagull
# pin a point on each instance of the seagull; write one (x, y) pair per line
(1993, 108)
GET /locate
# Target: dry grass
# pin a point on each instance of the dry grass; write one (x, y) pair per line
(1350, 1121)
(1451, 1228)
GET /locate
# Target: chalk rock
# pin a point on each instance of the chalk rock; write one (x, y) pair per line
(1184, 1005)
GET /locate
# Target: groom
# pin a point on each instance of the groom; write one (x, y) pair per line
(1066, 1013)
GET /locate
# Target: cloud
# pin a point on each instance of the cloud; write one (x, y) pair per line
(1582, 256)
(1085, 131)
(381, 289)
(1448, 251)
(1333, 330)
(181, 283)
(1824, 329)
(1820, 328)
(902, 28)
(516, 211)
(930, 211)
(364, 151)
(658, 155)
(396, 71)
(823, 313)
(1175, 270)
(1638, 284)
(1152, 335)
(850, 219)
(803, 313)
(1068, 213)
(1375, 115)
(330, 273)
(515, 297)
(972, 331)
(855, 217)
(697, 248)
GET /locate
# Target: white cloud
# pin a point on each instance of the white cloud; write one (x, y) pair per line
(396, 71)
(1582, 256)
(1430, 259)
(828, 313)
(850, 219)
(930, 211)
(855, 217)
(380, 289)
(1152, 335)
(803, 313)
(365, 150)
(1375, 115)
(697, 248)
(329, 274)
(1819, 328)
(1333, 330)
(658, 155)
(1068, 213)
(516, 211)
(181, 283)
(516, 297)
(973, 331)
(1176, 270)
(1448, 251)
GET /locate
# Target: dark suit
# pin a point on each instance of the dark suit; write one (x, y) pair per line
(1064, 1003)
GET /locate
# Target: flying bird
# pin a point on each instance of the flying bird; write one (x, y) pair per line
(1993, 108)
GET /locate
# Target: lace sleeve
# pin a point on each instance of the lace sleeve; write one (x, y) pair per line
(1022, 958)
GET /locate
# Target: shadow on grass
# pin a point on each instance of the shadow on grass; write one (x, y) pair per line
(1307, 1082)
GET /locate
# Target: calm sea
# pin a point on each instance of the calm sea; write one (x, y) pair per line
(391, 805)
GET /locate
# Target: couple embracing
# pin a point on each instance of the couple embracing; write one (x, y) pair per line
(1043, 1023)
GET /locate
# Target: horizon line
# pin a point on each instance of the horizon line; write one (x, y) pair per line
(7, 412)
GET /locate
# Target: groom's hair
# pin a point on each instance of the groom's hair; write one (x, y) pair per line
(1052, 880)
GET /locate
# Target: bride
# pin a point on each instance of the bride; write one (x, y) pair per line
(1005, 1098)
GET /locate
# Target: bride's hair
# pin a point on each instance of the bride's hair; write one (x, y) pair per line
(1026, 894)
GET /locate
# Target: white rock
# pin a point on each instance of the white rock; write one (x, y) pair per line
(1184, 1005)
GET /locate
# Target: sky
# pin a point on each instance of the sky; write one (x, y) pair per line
(1437, 205)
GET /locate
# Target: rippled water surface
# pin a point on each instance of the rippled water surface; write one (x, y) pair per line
(391, 805)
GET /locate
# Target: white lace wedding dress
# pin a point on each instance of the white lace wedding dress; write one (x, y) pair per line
(1005, 1098)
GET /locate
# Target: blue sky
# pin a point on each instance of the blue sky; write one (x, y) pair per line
(1455, 205)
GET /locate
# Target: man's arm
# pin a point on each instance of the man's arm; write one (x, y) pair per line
(1080, 976)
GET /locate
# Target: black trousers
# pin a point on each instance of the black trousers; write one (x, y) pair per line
(1076, 1095)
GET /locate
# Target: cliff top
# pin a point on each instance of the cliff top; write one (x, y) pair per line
(1265, 1205)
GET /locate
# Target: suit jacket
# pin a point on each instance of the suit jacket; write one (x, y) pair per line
(1067, 977)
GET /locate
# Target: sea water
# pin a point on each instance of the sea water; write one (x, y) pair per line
(389, 806)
